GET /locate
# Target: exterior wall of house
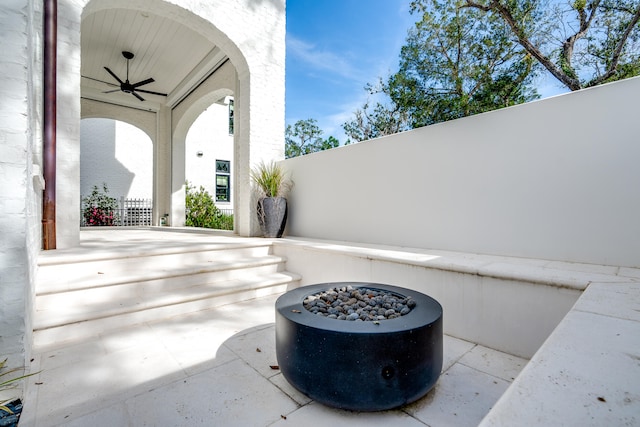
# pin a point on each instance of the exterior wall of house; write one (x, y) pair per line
(554, 179)
(209, 135)
(118, 154)
(183, 118)
(251, 34)
(20, 174)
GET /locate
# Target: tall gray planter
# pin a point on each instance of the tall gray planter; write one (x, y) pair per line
(272, 215)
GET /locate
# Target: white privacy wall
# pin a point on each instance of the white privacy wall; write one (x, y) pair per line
(554, 179)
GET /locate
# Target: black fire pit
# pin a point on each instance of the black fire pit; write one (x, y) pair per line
(359, 365)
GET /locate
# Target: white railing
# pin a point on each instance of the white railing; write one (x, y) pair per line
(136, 212)
(131, 213)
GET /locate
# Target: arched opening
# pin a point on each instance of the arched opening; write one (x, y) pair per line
(215, 90)
(178, 57)
(209, 154)
(163, 37)
(116, 159)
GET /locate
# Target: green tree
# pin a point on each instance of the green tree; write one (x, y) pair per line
(305, 137)
(581, 43)
(373, 122)
(454, 64)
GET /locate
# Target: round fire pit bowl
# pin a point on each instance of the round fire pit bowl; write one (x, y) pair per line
(359, 365)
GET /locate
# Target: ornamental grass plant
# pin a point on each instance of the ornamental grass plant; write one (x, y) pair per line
(271, 180)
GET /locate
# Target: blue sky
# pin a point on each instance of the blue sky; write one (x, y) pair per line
(336, 47)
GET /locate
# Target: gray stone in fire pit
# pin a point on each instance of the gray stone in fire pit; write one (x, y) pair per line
(361, 366)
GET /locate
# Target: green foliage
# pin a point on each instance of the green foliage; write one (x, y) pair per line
(8, 383)
(305, 137)
(373, 122)
(201, 211)
(271, 180)
(582, 43)
(99, 209)
(464, 57)
(456, 62)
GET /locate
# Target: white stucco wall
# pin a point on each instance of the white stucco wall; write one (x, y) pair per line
(250, 33)
(20, 175)
(553, 179)
(209, 134)
(117, 154)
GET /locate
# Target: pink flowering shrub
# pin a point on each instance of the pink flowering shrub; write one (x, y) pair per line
(99, 209)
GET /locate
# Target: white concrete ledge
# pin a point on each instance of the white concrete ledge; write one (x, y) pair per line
(552, 273)
(587, 372)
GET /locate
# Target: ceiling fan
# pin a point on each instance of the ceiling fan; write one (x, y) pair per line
(126, 86)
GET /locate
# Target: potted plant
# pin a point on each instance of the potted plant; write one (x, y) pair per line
(273, 186)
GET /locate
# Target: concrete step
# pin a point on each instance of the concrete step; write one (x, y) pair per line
(61, 334)
(88, 277)
(82, 295)
(62, 272)
(122, 296)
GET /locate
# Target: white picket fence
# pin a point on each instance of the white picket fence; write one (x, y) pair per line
(132, 213)
(135, 212)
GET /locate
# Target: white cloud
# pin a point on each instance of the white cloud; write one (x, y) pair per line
(320, 59)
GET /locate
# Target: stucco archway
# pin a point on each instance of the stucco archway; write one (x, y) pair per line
(250, 33)
(213, 89)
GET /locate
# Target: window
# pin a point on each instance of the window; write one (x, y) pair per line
(223, 177)
(231, 117)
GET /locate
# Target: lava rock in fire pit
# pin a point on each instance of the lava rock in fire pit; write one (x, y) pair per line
(358, 304)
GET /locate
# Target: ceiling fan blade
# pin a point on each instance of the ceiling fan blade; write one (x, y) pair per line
(101, 81)
(137, 96)
(111, 91)
(114, 75)
(144, 82)
(151, 92)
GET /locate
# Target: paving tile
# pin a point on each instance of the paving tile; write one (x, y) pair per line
(84, 387)
(136, 336)
(281, 382)
(454, 349)
(114, 415)
(462, 397)
(204, 369)
(196, 342)
(317, 415)
(494, 362)
(229, 395)
(72, 354)
(622, 300)
(257, 348)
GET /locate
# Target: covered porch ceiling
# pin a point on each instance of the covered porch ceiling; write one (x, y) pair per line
(176, 57)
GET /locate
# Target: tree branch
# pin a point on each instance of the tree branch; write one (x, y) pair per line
(568, 45)
(617, 51)
(505, 13)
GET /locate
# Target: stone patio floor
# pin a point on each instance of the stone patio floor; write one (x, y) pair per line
(214, 368)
